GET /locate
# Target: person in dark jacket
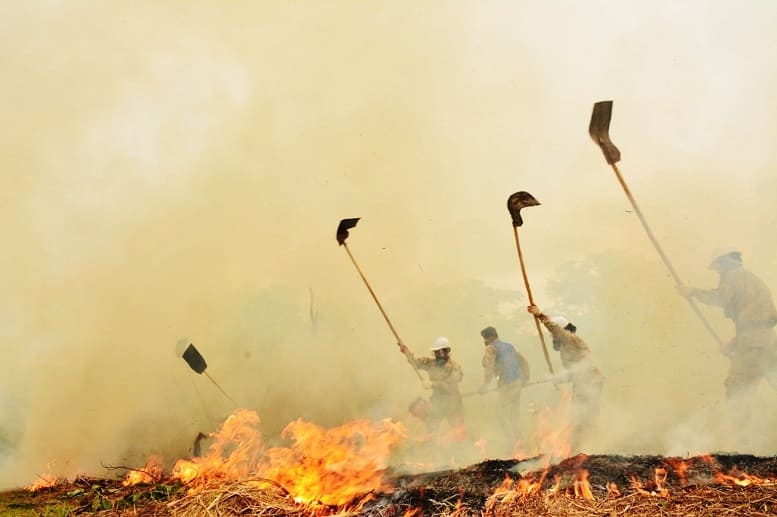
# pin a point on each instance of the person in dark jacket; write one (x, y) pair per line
(501, 361)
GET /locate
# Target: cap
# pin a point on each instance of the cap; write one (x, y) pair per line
(561, 321)
(488, 332)
(725, 258)
(440, 343)
(723, 252)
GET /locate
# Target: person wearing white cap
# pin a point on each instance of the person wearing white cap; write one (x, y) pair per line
(587, 381)
(747, 301)
(445, 374)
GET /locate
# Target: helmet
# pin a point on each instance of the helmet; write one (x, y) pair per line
(724, 251)
(441, 343)
(561, 321)
(725, 258)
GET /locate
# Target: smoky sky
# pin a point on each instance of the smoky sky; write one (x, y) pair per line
(177, 171)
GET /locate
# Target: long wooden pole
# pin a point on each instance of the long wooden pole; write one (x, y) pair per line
(661, 253)
(531, 299)
(380, 307)
(599, 128)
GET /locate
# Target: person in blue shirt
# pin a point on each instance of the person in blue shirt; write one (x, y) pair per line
(501, 361)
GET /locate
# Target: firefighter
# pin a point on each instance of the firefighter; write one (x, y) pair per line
(510, 368)
(747, 301)
(444, 377)
(586, 379)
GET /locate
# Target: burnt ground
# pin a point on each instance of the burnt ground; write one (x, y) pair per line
(467, 490)
(687, 487)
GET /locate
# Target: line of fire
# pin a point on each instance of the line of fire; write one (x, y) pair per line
(414, 466)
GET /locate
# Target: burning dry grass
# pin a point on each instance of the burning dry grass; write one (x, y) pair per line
(238, 499)
(345, 471)
(688, 501)
(579, 486)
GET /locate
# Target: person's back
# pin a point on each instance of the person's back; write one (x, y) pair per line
(509, 366)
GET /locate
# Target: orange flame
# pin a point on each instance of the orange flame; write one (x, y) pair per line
(659, 478)
(741, 479)
(582, 486)
(553, 490)
(334, 465)
(612, 490)
(151, 473)
(502, 494)
(551, 435)
(44, 481)
(680, 468)
(330, 466)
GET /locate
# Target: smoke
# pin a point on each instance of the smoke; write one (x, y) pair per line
(179, 172)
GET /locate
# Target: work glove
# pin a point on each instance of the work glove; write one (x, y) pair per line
(534, 310)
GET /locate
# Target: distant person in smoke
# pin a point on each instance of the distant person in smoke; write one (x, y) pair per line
(587, 381)
(445, 374)
(501, 361)
(747, 301)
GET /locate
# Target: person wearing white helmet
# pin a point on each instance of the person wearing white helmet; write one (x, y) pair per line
(747, 302)
(587, 381)
(445, 374)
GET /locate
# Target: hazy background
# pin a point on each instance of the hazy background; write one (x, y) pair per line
(176, 170)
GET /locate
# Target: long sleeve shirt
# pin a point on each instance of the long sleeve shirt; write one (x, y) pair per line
(444, 378)
(573, 349)
(745, 299)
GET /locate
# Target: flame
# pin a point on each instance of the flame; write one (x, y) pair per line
(551, 435)
(47, 480)
(481, 444)
(612, 490)
(334, 465)
(44, 481)
(234, 453)
(741, 479)
(582, 486)
(502, 494)
(328, 466)
(680, 468)
(659, 478)
(523, 487)
(151, 473)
